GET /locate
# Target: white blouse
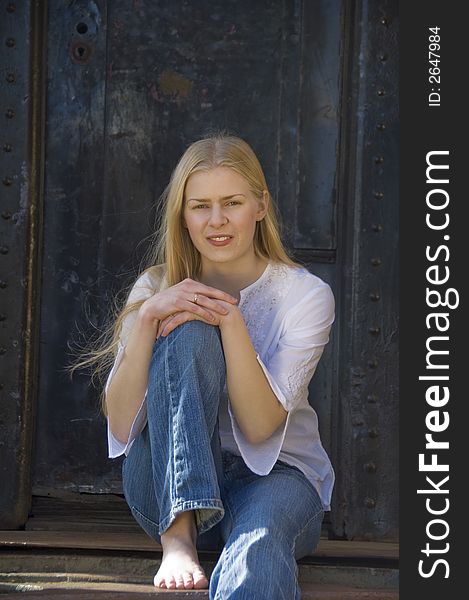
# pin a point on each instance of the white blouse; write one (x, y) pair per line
(288, 313)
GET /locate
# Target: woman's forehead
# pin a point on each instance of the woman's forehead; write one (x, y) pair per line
(214, 178)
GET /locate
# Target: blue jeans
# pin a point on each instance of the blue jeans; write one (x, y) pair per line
(262, 524)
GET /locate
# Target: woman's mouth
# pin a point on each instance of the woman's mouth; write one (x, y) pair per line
(220, 240)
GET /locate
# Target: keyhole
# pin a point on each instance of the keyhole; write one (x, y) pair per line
(80, 53)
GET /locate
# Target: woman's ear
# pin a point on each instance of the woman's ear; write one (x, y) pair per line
(263, 205)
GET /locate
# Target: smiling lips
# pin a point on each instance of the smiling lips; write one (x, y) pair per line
(220, 240)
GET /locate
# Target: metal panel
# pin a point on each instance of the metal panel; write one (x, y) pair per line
(21, 57)
(318, 127)
(69, 428)
(366, 439)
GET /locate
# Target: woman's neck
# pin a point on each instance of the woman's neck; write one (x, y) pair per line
(232, 278)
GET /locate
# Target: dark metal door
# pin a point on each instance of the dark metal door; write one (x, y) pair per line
(129, 86)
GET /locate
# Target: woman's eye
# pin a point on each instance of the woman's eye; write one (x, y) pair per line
(205, 205)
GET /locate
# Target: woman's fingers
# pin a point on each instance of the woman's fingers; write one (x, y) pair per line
(192, 308)
(178, 319)
(181, 297)
(211, 304)
(163, 328)
(162, 325)
(211, 292)
(198, 310)
(214, 292)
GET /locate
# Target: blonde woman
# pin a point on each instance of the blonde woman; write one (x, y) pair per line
(208, 394)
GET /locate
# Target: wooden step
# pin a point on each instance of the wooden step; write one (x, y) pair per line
(308, 592)
(138, 541)
(86, 547)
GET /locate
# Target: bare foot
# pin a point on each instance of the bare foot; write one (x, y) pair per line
(180, 568)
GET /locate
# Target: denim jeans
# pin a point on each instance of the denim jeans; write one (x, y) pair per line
(261, 524)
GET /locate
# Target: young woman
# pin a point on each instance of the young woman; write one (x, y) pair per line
(208, 394)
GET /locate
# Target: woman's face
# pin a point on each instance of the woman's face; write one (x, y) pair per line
(219, 203)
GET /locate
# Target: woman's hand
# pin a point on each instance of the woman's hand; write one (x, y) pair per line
(217, 319)
(196, 300)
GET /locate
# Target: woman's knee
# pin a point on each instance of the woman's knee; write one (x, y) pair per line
(197, 337)
(195, 329)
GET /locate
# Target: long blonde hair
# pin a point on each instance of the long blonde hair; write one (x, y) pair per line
(171, 245)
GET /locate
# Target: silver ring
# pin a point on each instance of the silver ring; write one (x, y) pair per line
(195, 298)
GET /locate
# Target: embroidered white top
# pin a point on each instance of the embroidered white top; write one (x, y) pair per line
(288, 312)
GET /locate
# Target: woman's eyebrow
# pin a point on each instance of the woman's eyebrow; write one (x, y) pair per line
(208, 199)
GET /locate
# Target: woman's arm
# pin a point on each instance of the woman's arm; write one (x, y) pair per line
(255, 406)
(129, 383)
(260, 411)
(128, 386)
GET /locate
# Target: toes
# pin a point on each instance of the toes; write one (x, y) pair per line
(200, 579)
(188, 581)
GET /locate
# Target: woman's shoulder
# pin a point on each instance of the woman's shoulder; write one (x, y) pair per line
(151, 277)
(308, 299)
(298, 278)
(156, 273)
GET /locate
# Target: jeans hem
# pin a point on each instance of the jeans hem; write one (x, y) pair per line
(202, 525)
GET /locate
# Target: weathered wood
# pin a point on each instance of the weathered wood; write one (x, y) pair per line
(309, 591)
(331, 549)
(82, 512)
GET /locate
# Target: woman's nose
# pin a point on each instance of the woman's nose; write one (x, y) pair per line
(217, 217)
